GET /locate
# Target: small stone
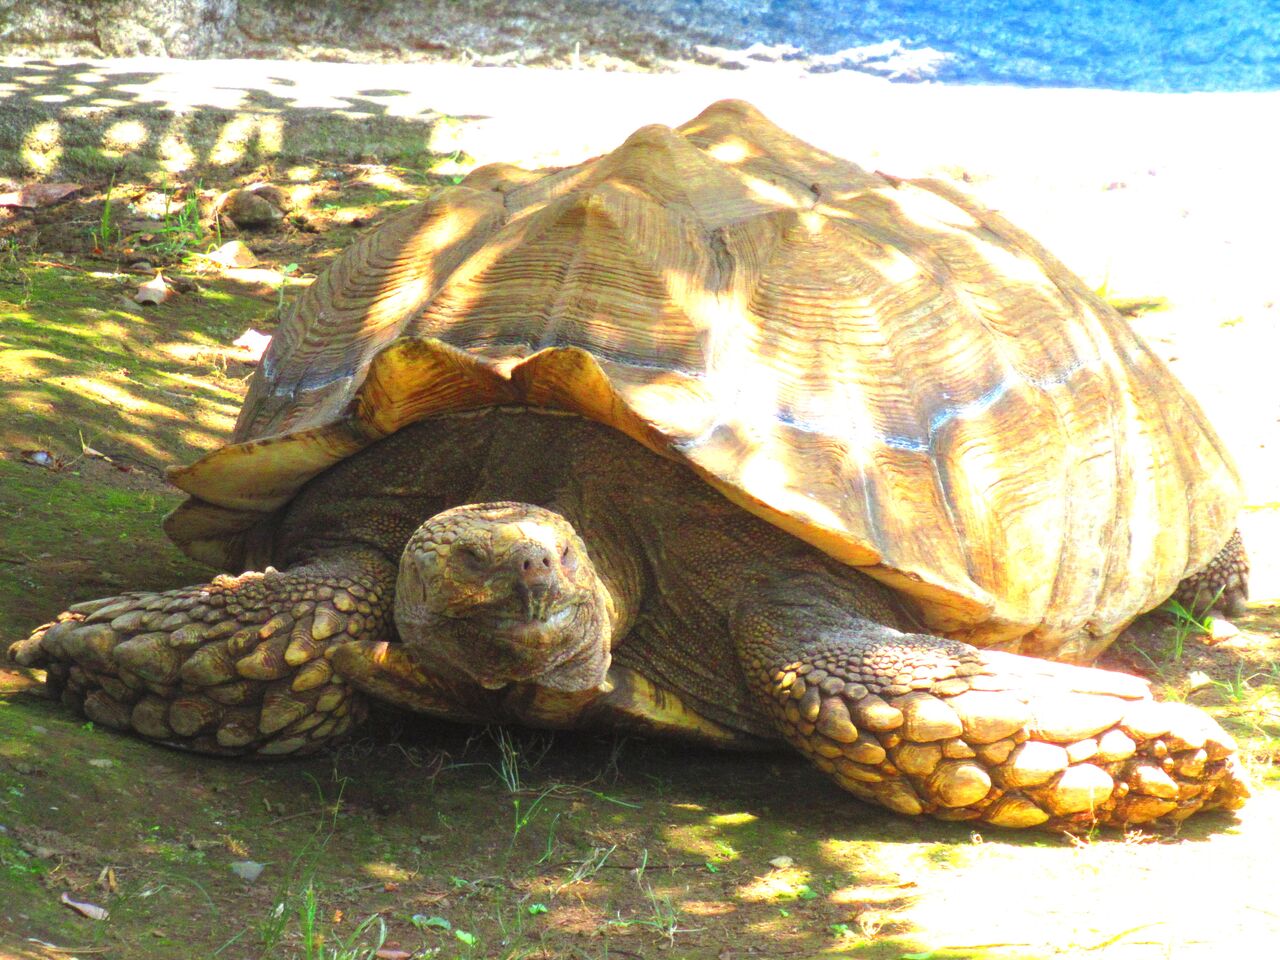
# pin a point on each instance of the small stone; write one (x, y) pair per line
(782, 863)
(957, 749)
(234, 254)
(1079, 789)
(1033, 763)
(926, 718)
(247, 208)
(102, 763)
(1220, 631)
(831, 687)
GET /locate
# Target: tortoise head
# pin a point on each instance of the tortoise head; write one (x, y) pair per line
(504, 593)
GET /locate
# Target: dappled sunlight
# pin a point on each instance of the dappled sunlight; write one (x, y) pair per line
(387, 872)
(172, 117)
(42, 147)
(119, 398)
(125, 135)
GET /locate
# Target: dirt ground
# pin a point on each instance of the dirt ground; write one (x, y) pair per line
(422, 841)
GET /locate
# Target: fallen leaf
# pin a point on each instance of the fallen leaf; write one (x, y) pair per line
(38, 194)
(153, 291)
(387, 953)
(781, 863)
(253, 343)
(90, 910)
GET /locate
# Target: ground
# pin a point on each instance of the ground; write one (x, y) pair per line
(424, 841)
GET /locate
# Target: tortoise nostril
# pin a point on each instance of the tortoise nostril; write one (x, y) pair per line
(546, 561)
(526, 565)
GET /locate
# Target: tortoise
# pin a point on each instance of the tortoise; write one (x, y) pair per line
(716, 436)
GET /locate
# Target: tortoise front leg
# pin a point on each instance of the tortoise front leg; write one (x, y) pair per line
(235, 666)
(923, 725)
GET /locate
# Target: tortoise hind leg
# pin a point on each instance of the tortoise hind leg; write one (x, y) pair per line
(923, 725)
(235, 666)
(1223, 584)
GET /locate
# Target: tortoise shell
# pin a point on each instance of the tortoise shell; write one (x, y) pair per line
(881, 367)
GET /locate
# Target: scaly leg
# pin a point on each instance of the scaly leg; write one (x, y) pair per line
(235, 666)
(1223, 584)
(923, 725)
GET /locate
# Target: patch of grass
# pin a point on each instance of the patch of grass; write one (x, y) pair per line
(181, 233)
(1186, 623)
(106, 234)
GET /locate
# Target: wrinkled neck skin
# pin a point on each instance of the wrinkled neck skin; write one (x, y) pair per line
(506, 594)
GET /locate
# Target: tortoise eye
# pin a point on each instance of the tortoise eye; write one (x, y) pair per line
(470, 556)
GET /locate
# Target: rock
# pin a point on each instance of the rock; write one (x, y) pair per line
(1220, 631)
(250, 209)
(234, 254)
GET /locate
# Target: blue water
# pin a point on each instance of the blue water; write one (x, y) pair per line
(1156, 45)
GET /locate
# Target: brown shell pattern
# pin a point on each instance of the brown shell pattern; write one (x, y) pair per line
(882, 367)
